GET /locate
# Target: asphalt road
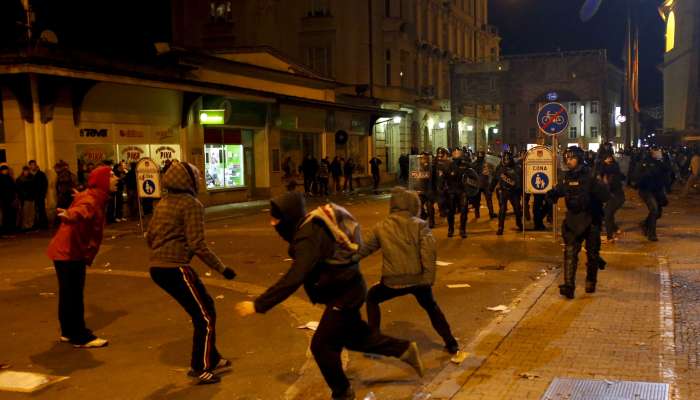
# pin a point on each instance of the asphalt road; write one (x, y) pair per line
(150, 335)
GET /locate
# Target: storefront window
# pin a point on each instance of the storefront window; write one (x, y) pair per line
(224, 166)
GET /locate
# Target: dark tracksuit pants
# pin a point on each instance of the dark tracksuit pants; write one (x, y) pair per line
(71, 310)
(184, 285)
(380, 293)
(375, 180)
(611, 206)
(457, 203)
(340, 329)
(572, 248)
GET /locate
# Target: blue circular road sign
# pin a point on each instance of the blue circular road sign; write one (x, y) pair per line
(552, 118)
(540, 181)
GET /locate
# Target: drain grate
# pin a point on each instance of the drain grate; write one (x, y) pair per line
(584, 389)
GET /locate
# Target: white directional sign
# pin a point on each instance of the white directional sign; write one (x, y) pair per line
(148, 178)
(538, 170)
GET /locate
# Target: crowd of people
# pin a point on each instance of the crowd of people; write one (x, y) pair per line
(326, 246)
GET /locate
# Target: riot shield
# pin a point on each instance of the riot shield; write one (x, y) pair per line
(420, 176)
(470, 182)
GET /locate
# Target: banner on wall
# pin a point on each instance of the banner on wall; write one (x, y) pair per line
(133, 152)
(160, 153)
(95, 153)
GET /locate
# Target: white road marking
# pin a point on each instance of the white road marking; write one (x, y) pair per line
(667, 359)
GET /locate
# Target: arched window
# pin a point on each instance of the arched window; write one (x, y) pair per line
(671, 31)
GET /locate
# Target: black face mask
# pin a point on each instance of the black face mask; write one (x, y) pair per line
(286, 230)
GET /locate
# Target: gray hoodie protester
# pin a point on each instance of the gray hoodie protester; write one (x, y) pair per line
(406, 241)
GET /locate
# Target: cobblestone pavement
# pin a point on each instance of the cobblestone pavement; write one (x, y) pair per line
(643, 324)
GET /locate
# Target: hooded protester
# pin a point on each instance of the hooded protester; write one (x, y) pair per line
(175, 235)
(73, 248)
(324, 245)
(410, 254)
(584, 196)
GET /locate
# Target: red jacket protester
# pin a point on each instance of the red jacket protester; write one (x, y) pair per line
(80, 234)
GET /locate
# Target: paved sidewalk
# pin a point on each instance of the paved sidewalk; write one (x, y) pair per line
(614, 334)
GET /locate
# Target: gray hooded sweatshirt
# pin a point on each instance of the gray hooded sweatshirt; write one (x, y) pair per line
(406, 241)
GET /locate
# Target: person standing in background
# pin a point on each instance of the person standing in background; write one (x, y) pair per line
(41, 187)
(27, 191)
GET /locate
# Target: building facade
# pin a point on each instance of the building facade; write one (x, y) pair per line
(584, 82)
(681, 68)
(394, 53)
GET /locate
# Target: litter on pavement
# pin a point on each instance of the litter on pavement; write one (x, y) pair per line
(26, 382)
(499, 307)
(458, 285)
(311, 325)
(442, 263)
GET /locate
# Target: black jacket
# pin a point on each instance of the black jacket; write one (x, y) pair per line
(335, 286)
(41, 184)
(613, 175)
(585, 197)
(652, 175)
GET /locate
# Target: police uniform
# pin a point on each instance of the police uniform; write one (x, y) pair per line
(508, 185)
(584, 196)
(456, 196)
(426, 187)
(485, 172)
(652, 177)
(442, 167)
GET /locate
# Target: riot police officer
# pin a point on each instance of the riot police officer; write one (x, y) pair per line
(485, 172)
(456, 195)
(422, 180)
(651, 177)
(584, 196)
(508, 185)
(442, 166)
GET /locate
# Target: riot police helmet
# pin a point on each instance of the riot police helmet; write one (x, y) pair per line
(442, 152)
(574, 156)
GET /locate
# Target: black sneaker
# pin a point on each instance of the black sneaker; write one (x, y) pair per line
(463, 234)
(450, 234)
(499, 232)
(348, 395)
(207, 378)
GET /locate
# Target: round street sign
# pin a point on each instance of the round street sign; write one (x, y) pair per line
(552, 119)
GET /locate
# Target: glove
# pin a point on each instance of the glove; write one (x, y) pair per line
(229, 273)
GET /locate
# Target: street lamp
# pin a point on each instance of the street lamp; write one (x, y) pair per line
(397, 119)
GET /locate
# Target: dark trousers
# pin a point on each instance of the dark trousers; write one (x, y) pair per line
(489, 202)
(336, 183)
(347, 184)
(540, 210)
(375, 180)
(427, 209)
(651, 200)
(456, 203)
(340, 329)
(380, 293)
(514, 198)
(308, 184)
(572, 247)
(9, 218)
(611, 206)
(71, 310)
(323, 186)
(119, 204)
(42, 221)
(184, 285)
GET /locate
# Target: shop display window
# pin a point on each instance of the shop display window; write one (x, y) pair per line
(224, 166)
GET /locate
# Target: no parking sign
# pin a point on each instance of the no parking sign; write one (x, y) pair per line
(538, 169)
(148, 179)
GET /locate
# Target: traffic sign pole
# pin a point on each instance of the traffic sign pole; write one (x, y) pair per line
(555, 173)
(553, 119)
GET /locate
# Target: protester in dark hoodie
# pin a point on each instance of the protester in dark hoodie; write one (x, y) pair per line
(324, 246)
(74, 247)
(408, 247)
(175, 235)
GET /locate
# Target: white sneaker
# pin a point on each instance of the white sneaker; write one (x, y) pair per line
(63, 339)
(94, 343)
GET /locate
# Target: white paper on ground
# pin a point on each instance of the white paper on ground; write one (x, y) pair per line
(458, 285)
(442, 263)
(16, 381)
(311, 325)
(499, 307)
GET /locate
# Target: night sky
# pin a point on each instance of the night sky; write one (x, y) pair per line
(529, 26)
